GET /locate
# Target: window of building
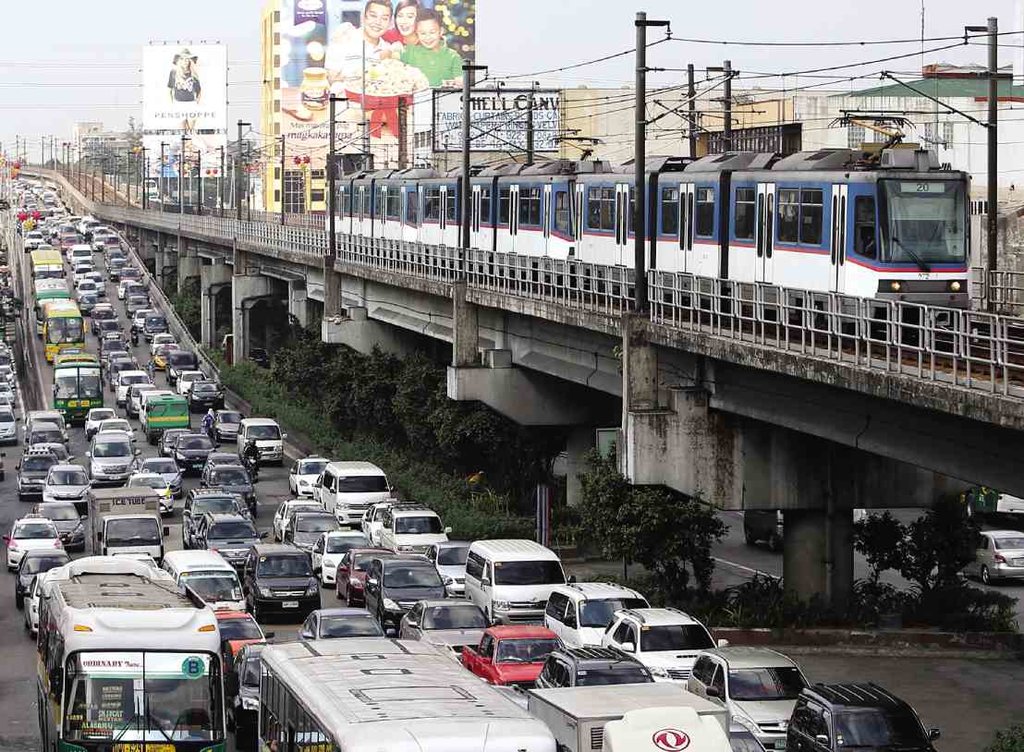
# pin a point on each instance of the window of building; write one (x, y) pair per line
(855, 136)
(947, 134)
(810, 216)
(529, 207)
(601, 209)
(294, 192)
(670, 211)
(745, 213)
(705, 225)
(788, 201)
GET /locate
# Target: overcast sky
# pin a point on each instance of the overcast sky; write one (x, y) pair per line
(65, 60)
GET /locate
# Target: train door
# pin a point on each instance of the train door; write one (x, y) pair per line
(513, 218)
(686, 227)
(577, 218)
(837, 248)
(410, 213)
(622, 225)
(358, 217)
(442, 219)
(546, 219)
(764, 264)
(474, 222)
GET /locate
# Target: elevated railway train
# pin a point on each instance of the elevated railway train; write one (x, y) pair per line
(891, 226)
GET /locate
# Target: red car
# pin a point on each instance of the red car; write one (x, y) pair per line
(351, 574)
(237, 628)
(512, 654)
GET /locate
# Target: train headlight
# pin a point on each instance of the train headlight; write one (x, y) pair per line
(954, 286)
(895, 286)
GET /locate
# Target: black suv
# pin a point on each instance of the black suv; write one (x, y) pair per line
(230, 535)
(279, 580)
(205, 395)
(191, 451)
(763, 525)
(178, 361)
(394, 585)
(201, 501)
(591, 667)
(836, 717)
(32, 471)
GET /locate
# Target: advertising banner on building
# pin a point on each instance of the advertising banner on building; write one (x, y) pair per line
(499, 120)
(184, 88)
(202, 152)
(374, 55)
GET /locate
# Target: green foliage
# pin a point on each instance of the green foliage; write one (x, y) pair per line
(1008, 740)
(669, 534)
(188, 305)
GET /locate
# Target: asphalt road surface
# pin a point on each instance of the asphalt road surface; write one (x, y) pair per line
(968, 698)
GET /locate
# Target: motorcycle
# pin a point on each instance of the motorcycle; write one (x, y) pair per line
(135, 337)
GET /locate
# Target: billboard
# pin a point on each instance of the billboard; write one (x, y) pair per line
(184, 88)
(374, 54)
(201, 152)
(498, 119)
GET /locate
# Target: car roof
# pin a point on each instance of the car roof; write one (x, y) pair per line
(109, 435)
(226, 516)
(266, 549)
(1003, 533)
(513, 550)
(33, 518)
(749, 656)
(654, 617)
(856, 695)
(260, 422)
(417, 510)
(344, 533)
(506, 631)
(354, 468)
(596, 654)
(39, 552)
(342, 611)
(581, 591)
(461, 602)
(67, 466)
(197, 557)
(401, 559)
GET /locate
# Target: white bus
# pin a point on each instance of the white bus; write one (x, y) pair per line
(371, 694)
(126, 662)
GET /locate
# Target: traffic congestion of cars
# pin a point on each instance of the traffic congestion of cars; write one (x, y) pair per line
(561, 662)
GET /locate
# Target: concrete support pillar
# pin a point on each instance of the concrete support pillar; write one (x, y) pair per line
(817, 560)
(465, 329)
(189, 262)
(297, 302)
(332, 289)
(246, 289)
(639, 366)
(579, 442)
(213, 278)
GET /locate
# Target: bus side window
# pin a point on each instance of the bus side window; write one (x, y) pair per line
(864, 232)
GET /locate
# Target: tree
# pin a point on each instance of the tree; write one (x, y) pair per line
(1008, 740)
(664, 531)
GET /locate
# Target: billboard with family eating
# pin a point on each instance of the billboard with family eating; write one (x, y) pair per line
(373, 54)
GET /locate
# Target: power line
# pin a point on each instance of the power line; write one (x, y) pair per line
(843, 43)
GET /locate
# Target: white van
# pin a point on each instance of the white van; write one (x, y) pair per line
(78, 253)
(510, 580)
(347, 489)
(267, 435)
(209, 576)
(580, 612)
(411, 529)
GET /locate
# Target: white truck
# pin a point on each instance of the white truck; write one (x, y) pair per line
(577, 715)
(665, 729)
(126, 521)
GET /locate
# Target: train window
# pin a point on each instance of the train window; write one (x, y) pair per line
(789, 215)
(393, 204)
(670, 211)
(529, 206)
(632, 213)
(810, 216)
(365, 201)
(705, 225)
(561, 211)
(745, 213)
(412, 208)
(342, 202)
(432, 203)
(601, 209)
(450, 207)
(485, 206)
(864, 232)
(504, 202)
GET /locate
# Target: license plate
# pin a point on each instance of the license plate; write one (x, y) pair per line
(140, 747)
(290, 604)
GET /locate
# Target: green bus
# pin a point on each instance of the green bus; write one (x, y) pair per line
(76, 390)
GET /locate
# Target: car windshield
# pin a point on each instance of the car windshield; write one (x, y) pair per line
(232, 529)
(1004, 544)
(215, 505)
(284, 566)
(59, 512)
(239, 629)
(315, 523)
(361, 562)
(172, 435)
(625, 673)
(132, 532)
(45, 435)
(98, 415)
(111, 448)
(406, 576)
(341, 544)
(194, 442)
(229, 475)
(229, 417)
(152, 321)
(460, 616)
(37, 564)
(774, 683)
(69, 478)
(6, 416)
(349, 626)
(203, 386)
(252, 670)
(528, 573)
(160, 466)
(36, 464)
(312, 467)
(149, 481)
(134, 378)
(214, 587)
(34, 531)
(363, 484)
(876, 728)
(264, 432)
(599, 613)
(452, 556)
(534, 650)
(675, 637)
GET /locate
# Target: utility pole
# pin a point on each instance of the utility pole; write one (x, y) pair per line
(238, 172)
(143, 176)
(691, 109)
(220, 182)
(403, 139)
(992, 128)
(162, 177)
(332, 198)
(198, 194)
(640, 160)
(181, 175)
(282, 179)
(727, 104)
(468, 69)
(529, 126)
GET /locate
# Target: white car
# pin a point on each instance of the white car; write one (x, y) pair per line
(303, 475)
(118, 424)
(158, 483)
(449, 559)
(186, 379)
(281, 515)
(580, 612)
(33, 239)
(28, 533)
(665, 640)
(80, 271)
(411, 529)
(373, 521)
(8, 376)
(329, 550)
(124, 380)
(32, 598)
(161, 339)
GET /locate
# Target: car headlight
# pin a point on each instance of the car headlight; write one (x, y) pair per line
(502, 605)
(313, 588)
(658, 671)
(448, 580)
(406, 548)
(390, 605)
(303, 484)
(746, 723)
(265, 592)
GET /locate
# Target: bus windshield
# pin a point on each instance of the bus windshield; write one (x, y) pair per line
(924, 221)
(142, 697)
(75, 383)
(64, 330)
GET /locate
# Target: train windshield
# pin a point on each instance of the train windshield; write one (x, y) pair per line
(924, 222)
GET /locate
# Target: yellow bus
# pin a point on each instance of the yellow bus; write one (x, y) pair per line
(63, 326)
(47, 264)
